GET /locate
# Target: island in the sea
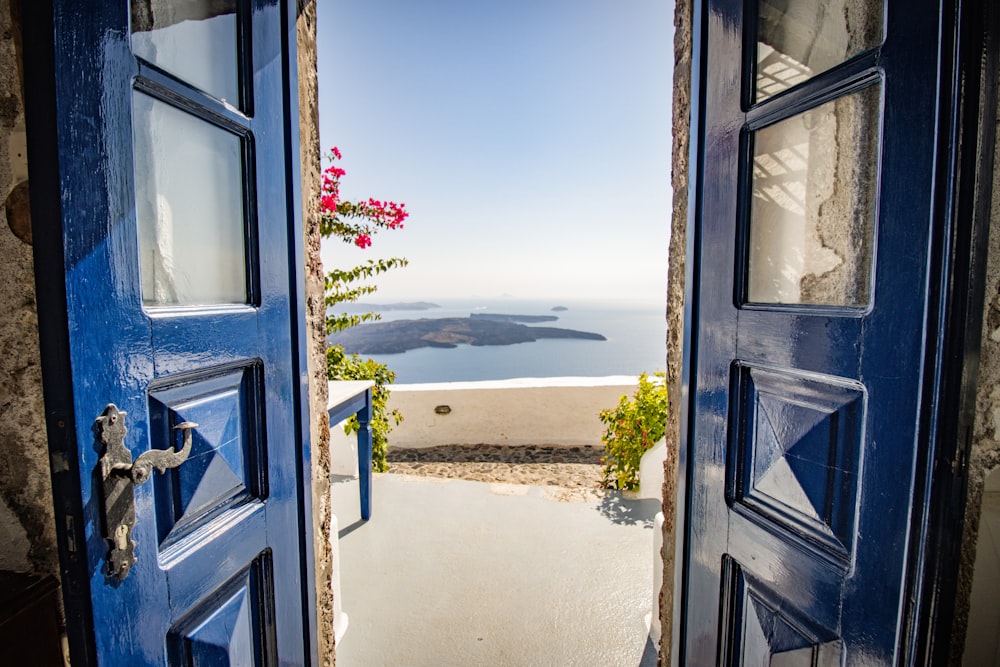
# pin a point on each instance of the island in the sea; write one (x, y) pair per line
(559, 309)
(402, 335)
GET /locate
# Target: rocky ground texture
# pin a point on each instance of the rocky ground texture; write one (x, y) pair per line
(572, 467)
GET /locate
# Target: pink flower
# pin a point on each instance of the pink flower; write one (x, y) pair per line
(332, 174)
(328, 203)
(388, 213)
(379, 214)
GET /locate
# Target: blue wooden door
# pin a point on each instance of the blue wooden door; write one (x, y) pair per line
(162, 140)
(812, 297)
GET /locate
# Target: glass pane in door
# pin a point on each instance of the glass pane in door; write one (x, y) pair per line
(797, 39)
(189, 207)
(195, 40)
(812, 207)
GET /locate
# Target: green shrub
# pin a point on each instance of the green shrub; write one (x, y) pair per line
(633, 427)
(341, 366)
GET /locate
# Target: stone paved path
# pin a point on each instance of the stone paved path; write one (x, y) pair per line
(573, 467)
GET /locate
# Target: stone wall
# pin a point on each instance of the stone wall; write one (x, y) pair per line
(319, 427)
(675, 307)
(985, 452)
(27, 525)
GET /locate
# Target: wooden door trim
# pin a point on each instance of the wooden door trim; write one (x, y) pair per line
(966, 144)
(41, 114)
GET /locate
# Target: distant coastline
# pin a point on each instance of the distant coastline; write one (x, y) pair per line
(479, 329)
(384, 307)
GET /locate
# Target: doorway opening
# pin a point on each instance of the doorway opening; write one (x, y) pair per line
(532, 148)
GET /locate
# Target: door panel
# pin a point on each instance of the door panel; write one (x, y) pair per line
(239, 630)
(796, 457)
(813, 259)
(763, 630)
(228, 463)
(176, 231)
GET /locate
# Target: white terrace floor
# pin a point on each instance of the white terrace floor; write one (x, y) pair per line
(453, 572)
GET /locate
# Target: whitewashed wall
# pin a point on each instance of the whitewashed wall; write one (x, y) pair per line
(530, 411)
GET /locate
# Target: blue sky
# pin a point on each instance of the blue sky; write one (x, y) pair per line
(529, 139)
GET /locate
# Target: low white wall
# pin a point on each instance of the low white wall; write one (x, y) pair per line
(534, 411)
(527, 411)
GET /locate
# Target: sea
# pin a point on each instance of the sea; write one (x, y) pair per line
(635, 332)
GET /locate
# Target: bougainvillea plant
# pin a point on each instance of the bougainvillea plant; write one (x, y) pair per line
(355, 223)
(633, 427)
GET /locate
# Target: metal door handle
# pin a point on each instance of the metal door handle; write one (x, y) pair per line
(119, 476)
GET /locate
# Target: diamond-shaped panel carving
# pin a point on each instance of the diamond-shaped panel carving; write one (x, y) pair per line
(798, 453)
(216, 467)
(224, 467)
(231, 626)
(226, 636)
(759, 628)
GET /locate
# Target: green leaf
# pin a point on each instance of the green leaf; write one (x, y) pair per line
(634, 426)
